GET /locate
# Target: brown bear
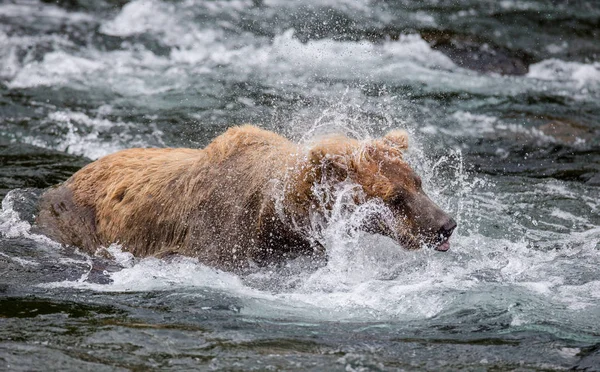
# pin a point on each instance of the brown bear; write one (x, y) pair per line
(247, 197)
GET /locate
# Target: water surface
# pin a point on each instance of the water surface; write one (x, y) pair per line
(502, 100)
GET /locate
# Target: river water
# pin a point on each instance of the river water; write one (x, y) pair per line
(502, 101)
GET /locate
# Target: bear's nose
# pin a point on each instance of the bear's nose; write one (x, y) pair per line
(448, 228)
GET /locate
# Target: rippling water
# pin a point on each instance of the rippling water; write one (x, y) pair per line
(502, 100)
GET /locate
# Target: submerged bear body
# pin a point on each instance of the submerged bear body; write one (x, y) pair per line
(247, 197)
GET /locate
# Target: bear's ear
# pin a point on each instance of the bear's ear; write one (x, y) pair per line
(397, 138)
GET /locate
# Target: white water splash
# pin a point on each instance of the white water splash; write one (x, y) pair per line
(13, 226)
(94, 137)
(581, 74)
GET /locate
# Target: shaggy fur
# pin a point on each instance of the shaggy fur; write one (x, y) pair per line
(220, 204)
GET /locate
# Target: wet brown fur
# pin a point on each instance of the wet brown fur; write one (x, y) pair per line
(219, 203)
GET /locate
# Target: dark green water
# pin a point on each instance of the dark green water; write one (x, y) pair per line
(502, 100)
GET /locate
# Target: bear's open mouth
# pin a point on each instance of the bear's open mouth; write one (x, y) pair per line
(443, 246)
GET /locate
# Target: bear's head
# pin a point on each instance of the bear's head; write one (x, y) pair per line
(378, 167)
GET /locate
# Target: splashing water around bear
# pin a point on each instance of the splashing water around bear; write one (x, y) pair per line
(355, 256)
(365, 276)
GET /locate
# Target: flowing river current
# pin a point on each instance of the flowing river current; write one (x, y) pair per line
(502, 102)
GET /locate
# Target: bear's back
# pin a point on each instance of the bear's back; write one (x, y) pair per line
(188, 201)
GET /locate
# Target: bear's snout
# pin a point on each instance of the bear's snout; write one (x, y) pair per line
(430, 224)
(448, 228)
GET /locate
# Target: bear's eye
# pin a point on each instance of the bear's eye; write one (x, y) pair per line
(399, 198)
(418, 182)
